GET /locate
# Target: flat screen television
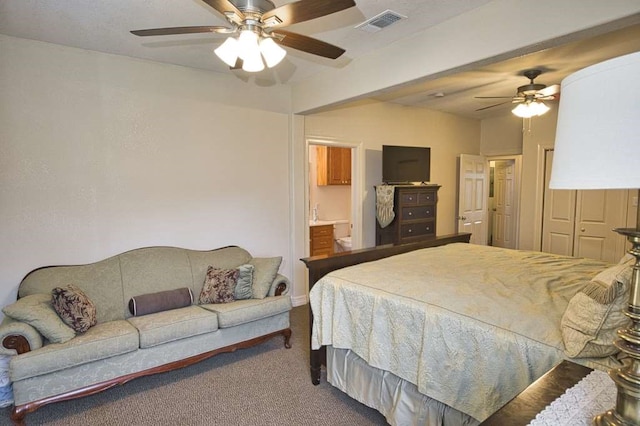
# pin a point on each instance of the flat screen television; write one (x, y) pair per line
(405, 164)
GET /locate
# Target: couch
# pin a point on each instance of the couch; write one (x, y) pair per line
(121, 346)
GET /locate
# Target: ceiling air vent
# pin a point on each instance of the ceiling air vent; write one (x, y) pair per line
(380, 21)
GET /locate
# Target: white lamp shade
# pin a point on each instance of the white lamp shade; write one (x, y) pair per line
(248, 45)
(253, 62)
(271, 52)
(598, 132)
(228, 51)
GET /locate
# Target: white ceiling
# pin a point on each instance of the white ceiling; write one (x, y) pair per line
(104, 26)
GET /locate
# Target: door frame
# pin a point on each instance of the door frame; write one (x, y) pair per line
(356, 186)
(517, 190)
(540, 190)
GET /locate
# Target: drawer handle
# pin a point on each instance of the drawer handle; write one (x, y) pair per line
(410, 214)
(428, 211)
(410, 198)
(410, 230)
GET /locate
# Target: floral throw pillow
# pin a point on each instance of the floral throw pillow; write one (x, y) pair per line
(219, 285)
(74, 307)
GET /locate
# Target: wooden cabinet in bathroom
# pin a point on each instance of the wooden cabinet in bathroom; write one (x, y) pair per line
(333, 165)
(321, 240)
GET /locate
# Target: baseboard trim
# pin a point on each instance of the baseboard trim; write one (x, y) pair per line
(299, 300)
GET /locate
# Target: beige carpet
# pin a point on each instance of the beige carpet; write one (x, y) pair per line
(263, 385)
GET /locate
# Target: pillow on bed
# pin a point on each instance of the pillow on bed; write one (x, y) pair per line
(628, 259)
(594, 314)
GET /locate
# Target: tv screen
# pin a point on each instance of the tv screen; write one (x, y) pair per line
(404, 164)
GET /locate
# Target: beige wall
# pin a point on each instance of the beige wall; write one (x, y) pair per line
(501, 135)
(374, 124)
(101, 154)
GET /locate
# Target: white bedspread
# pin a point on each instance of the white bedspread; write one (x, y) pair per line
(470, 325)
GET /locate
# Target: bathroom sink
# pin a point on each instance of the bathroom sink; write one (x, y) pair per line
(321, 222)
(327, 222)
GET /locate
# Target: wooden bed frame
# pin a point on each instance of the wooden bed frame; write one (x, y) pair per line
(319, 266)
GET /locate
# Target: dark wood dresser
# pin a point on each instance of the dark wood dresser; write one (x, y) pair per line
(415, 209)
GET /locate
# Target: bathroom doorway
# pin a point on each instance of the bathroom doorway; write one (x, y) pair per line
(332, 199)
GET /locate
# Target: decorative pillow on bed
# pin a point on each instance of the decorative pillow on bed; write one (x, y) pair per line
(74, 307)
(36, 310)
(266, 269)
(160, 301)
(594, 314)
(628, 259)
(219, 285)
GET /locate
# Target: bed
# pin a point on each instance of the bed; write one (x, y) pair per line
(446, 335)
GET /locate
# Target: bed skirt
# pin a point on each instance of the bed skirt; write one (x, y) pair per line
(398, 400)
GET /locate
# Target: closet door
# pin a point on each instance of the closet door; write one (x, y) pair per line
(580, 223)
(597, 214)
(559, 214)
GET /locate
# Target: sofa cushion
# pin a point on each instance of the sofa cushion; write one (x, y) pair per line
(99, 342)
(74, 307)
(36, 310)
(243, 311)
(160, 301)
(219, 285)
(266, 269)
(162, 327)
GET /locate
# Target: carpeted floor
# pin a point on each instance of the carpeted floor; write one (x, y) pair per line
(263, 385)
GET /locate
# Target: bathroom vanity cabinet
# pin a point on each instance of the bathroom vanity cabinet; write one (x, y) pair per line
(321, 240)
(333, 165)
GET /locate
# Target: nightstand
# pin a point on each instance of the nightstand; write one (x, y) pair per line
(524, 407)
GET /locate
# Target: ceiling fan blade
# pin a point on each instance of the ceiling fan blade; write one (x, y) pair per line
(305, 10)
(179, 30)
(491, 106)
(549, 90)
(308, 44)
(223, 6)
(493, 97)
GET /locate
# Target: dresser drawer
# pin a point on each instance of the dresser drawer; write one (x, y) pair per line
(408, 198)
(417, 212)
(426, 197)
(417, 229)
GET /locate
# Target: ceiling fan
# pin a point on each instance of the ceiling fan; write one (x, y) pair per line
(258, 23)
(529, 97)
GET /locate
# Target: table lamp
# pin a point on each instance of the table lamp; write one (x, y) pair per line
(598, 147)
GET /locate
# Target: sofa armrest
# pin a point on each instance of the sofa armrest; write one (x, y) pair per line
(280, 286)
(18, 337)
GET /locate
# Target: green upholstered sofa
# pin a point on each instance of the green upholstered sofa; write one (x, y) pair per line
(121, 347)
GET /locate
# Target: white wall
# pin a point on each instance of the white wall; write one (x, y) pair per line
(100, 154)
(375, 124)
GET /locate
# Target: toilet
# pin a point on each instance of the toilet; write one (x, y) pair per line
(344, 243)
(342, 235)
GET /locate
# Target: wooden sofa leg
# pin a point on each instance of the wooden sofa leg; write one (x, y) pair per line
(18, 414)
(287, 338)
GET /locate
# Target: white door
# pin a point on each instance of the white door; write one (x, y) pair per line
(505, 204)
(473, 196)
(597, 214)
(580, 223)
(558, 216)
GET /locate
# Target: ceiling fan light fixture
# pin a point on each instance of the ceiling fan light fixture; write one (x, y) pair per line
(252, 62)
(530, 109)
(228, 51)
(271, 52)
(248, 45)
